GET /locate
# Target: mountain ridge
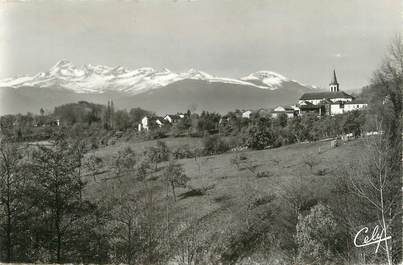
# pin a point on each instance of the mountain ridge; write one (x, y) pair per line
(100, 78)
(161, 91)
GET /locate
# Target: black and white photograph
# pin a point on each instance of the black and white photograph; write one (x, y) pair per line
(201, 132)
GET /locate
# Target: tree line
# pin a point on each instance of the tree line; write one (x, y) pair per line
(97, 125)
(47, 214)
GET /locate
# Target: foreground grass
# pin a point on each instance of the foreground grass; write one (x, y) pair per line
(222, 196)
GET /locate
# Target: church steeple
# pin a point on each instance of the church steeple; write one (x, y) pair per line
(334, 86)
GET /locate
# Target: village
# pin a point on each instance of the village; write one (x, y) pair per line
(330, 103)
(315, 104)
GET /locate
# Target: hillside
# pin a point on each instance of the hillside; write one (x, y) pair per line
(218, 97)
(176, 97)
(224, 203)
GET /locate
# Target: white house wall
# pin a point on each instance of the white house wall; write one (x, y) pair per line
(169, 119)
(144, 123)
(335, 108)
(317, 101)
(246, 114)
(351, 107)
(340, 99)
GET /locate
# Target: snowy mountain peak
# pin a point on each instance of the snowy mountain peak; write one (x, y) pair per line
(272, 79)
(196, 74)
(64, 68)
(98, 69)
(165, 70)
(63, 63)
(100, 79)
(266, 74)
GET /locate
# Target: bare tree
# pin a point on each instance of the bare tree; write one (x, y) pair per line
(311, 160)
(191, 245)
(371, 180)
(125, 161)
(12, 183)
(93, 164)
(242, 161)
(388, 83)
(175, 176)
(126, 214)
(158, 153)
(297, 193)
(57, 187)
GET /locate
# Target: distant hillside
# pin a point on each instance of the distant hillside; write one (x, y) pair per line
(219, 97)
(31, 99)
(176, 97)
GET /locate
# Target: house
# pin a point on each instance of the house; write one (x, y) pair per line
(342, 107)
(318, 97)
(143, 126)
(332, 102)
(263, 112)
(308, 107)
(159, 123)
(172, 118)
(168, 118)
(147, 122)
(334, 94)
(45, 122)
(289, 111)
(246, 114)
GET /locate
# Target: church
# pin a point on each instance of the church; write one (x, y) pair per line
(330, 103)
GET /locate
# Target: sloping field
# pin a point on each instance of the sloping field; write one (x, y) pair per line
(251, 197)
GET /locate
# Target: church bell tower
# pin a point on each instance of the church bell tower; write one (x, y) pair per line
(334, 86)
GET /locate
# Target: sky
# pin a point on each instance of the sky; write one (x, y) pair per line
(303, 40)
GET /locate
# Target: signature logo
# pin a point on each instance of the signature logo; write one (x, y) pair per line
(376, 237)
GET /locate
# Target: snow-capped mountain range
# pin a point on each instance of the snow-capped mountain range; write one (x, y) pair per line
(99, 79)
(162, 91)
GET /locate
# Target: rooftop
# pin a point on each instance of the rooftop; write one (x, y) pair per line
(334, 78)
(356, 101)
(325, 95)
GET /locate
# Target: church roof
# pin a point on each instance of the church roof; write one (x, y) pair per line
(334, 78)
(357, 101)
(325, 95)
(311, 106)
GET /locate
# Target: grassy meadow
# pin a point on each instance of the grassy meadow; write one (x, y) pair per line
(225, 198)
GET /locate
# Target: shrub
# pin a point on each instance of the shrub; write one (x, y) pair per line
(235, 142)
(158, 153)
(183, 152)
(94, 143)
(317, 236)
(243, 157)
(215, 145)
(261, 136)
(264, 174)
(311, 160)
(158, 133)
(321, 172)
